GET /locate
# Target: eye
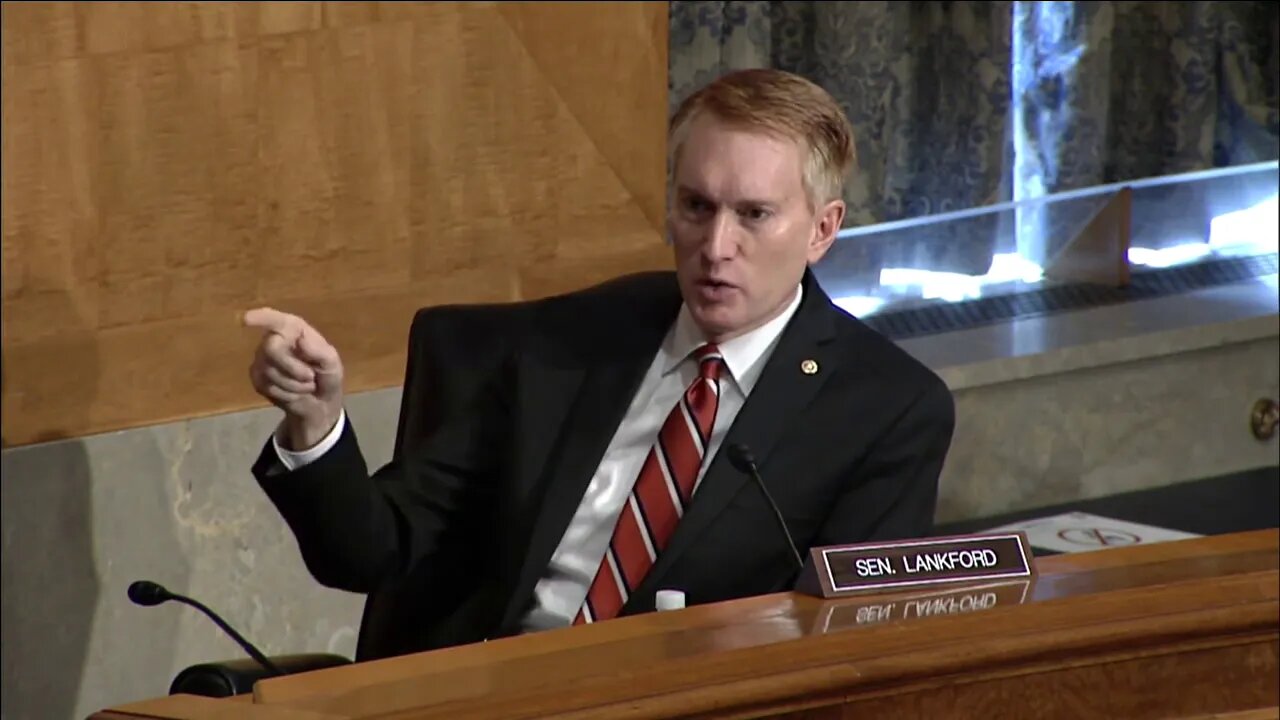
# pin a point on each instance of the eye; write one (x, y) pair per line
(696, 205)
(756, 214)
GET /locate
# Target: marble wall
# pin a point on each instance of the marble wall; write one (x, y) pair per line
(1107, 429)
(176, 503)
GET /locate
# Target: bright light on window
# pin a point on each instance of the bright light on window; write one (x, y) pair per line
(1254, 228)
(1251, 231)
(1012, 267)
(949, 287)
(859, 306)
(955, 287)
(1168, 256)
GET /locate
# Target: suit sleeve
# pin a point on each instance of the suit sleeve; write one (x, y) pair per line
(354, 529)
(894, 491)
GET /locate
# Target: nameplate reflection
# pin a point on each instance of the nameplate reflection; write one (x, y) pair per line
(843, 615)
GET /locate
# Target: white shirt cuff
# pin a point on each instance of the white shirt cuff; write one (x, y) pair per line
(293, 460)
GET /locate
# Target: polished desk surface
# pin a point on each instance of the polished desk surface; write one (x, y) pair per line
(790, 645)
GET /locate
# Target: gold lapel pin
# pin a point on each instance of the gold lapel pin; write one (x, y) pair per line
(809, 367)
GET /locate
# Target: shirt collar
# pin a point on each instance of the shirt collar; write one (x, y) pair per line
(742, 354)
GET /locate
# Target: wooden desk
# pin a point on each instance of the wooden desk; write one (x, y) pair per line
(1173, 630)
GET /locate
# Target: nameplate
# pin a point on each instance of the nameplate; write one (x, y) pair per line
(841, 570)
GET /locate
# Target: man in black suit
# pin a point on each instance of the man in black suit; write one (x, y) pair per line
(593, 463)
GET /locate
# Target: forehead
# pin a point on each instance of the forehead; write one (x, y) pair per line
(728, 162)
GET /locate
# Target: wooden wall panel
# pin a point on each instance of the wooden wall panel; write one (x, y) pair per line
(166, 166)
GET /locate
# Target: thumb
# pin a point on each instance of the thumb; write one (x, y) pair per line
(314, 350)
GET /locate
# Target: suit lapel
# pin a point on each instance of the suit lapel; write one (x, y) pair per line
(780, 395)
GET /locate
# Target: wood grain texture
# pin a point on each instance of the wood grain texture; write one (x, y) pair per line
(192, 707)
(1180, 629)
(1134, 689)
(167, 166)
(1264, 713)
(1142, 607)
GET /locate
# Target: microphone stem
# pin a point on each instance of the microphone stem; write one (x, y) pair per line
(755, 474)
(244, 644)
(794, 552)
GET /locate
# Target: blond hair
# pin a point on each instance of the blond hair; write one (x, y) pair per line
(781, 104)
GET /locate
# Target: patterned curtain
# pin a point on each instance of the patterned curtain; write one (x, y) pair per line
(1114, 91)
(941, 93)
(925, 84)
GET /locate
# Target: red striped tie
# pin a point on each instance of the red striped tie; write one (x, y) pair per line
(660, 495)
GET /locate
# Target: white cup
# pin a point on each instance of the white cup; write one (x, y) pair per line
(669, 600)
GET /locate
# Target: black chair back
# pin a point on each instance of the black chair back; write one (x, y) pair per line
(451, 350)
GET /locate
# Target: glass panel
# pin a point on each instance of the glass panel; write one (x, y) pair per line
(1228, 213)
(1004, 248)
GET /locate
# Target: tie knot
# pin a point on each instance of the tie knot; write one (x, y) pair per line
(710, 361)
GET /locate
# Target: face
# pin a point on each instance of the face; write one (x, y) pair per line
(742, 226)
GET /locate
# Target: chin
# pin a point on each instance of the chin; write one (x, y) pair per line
(715, 321)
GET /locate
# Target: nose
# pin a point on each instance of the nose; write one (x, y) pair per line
(720, 241)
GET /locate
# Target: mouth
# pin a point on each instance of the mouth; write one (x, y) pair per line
(714, 291)
(714, 284)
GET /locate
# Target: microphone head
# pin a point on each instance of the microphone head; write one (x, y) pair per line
(147, 593)
(741, 458)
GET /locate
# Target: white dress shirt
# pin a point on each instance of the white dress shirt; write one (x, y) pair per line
(563, 587)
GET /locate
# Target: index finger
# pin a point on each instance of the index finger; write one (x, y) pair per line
(288, 326)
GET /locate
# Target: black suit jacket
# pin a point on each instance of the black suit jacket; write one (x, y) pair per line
(850, 453)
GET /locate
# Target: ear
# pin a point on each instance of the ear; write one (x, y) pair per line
(827, 223)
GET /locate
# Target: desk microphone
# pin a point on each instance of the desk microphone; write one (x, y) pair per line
(149, 594)
(741, 458)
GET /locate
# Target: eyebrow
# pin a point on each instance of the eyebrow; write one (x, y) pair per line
(688, 191)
